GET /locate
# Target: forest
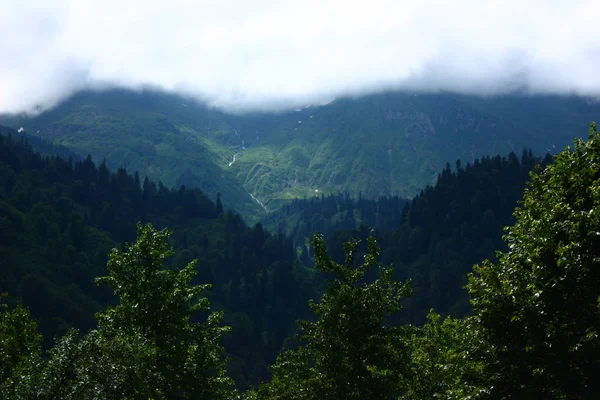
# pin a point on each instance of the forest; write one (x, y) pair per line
(116, 287)
(60, 218)
(385, 144)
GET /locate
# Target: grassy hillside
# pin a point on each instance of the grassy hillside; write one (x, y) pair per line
(151, 133)
(59, 219)
(386, 144)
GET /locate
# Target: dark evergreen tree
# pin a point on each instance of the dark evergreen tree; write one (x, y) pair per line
(219, 206)
(59, 219)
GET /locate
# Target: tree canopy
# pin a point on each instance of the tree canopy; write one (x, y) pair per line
(160, 342)
(537, 308)
(533, 331)
(351, 351)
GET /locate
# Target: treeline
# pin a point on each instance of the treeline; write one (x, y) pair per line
(453, 225)
(432, 240)
(333, 216)
(533, 331)
(59, 219)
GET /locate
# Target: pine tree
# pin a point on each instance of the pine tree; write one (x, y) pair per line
(219, 206)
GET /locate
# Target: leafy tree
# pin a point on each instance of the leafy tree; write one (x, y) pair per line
(59, 220)
(538, 308)
(20, 348)
(149, 346)
(351, 351)
(443, 362)
(68, 373)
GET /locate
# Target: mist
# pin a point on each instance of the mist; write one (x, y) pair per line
(260, 55)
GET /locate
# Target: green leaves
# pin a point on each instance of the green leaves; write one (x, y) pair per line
(351, 351)
(152, 345)
(444, 359)
(20, 348)
(537, 308)
(149, 342)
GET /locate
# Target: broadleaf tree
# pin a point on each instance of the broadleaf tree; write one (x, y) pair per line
(152, 335)
(20, 352)
(161, 341)
(537, 309)
(446, 360)
(351, 351)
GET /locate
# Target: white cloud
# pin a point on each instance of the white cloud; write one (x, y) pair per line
(242, 54)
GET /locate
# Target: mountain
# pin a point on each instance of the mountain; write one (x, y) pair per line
(334, 216)
(59, 219)
(378, 145)
(432, 240)
(151, 133)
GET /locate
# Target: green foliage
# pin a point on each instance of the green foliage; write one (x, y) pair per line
(20, 350)
(148, 344)
(350, 351)
(379, 145)
(433, 240)
(153, 134)
(443, 359)
(68, 372)
(537, 309)
(151, 345)
(61, 218)
(333, 216)
(451, 226)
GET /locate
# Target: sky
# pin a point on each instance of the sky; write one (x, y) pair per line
(247, 55)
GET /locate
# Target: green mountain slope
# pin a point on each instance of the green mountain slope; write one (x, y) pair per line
(432, 240)
(150, 133)
(59, 220)
(386, 144)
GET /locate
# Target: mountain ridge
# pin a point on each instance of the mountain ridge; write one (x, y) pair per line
(385, 144)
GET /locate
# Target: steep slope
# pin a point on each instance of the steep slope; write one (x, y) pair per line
(151, 133)
(386, 144)
(59, 219)
(433, 240)
(395, 144)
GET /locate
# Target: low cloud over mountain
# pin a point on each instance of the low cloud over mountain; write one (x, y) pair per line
(265, 54)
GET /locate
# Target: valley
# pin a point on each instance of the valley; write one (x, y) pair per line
(299, 200)
(66, 222)
(379, 145)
